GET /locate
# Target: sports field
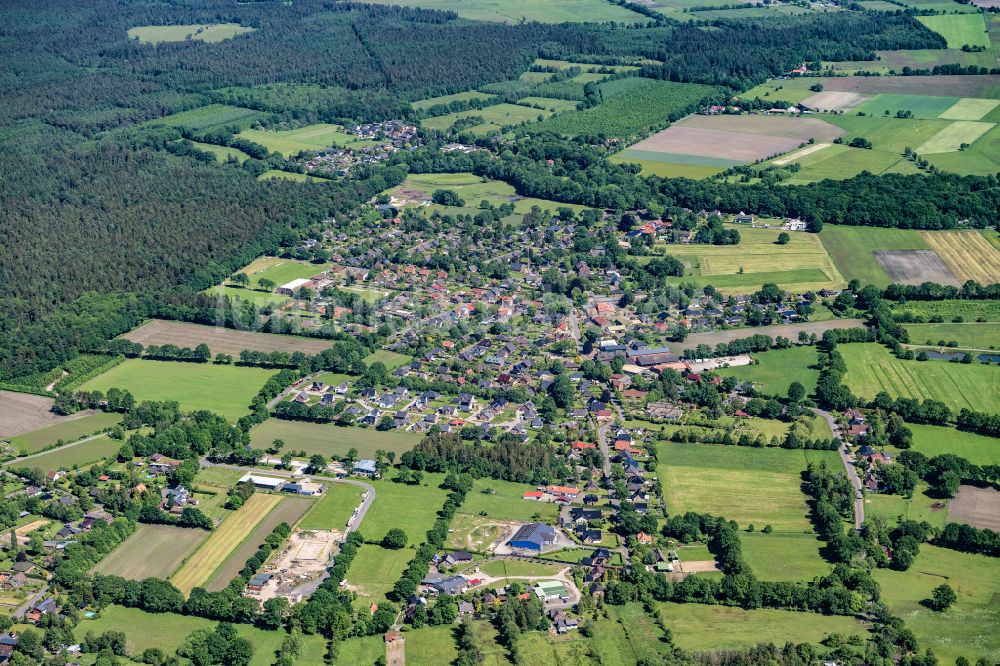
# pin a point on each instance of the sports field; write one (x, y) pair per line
(153, 551)
(68, 430)
(214, 32)
(698, 627)
(972, 335)
(853, 248)
(330, 440)
(223, 541)
(719, 480)
(288, 510)
(223, 389)
(423, 104)
(872, 368)
(66, 457)
(221, 340)
(967, 254)
(517, 11)
(800, 265)
(331, 511)
(775, 370)
(414, 508)
(278, 270)
(311, 137)
(966, 629)
(502, 500)
(959, 29)
(494, 117)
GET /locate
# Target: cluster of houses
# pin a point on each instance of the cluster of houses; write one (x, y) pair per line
(388, 138)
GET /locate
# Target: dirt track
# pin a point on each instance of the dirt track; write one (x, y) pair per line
(790, 331)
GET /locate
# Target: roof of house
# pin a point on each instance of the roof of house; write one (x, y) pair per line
(536, 533)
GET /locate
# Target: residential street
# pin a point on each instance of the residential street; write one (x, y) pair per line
(852, 472)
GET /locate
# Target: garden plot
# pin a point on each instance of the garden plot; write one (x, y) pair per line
(834, 100)
(915, 267)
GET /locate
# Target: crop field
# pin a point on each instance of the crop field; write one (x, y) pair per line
(494, 117)
(68, 431)
(951, 85)
(375, 569)
(853, 248)
(288, 510)
(981, 158)
(833, 100)
(331, 511)
(967, 254)
(987, 311)
(871, 368)
(966, 629)
(226, 538)
(970, 109)
(517, 11)
(216, 32)
(412, 507)
(213, 115)
(743, 138)
(223, 389)
(311, 137)
(218, 339)
(167, 631)
(921, 106)
(915, 267)
(631, 108)
(153, 551)
(777, 369)
(784, 557)
(955, 135)
(22, 413)
(417, 190)
(551, 104)
(959, 29)
(330, 440)
(719, 479)
(502, 500)
(423, 104)
(698, 627)
(800, 265)
(979, 507)
(66, 457)
(971, 335)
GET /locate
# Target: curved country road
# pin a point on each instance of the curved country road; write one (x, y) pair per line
(852, 472)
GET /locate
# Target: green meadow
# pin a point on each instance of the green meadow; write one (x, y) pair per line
(502, 500)
(936, 440)
(223, 389)
(974, 335)
(216, 32)
(467, 96)
(67, 431)
(309, 138)
(517, 11)
(775, 370)
(67, 457)
(494, 117)
(920, 507)
(959, 29)
(784, 557)
(375, 569)
(332, 510)
(330, 440)
(213, 115)
(414, 508)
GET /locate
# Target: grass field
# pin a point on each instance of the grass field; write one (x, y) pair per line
(852, 249)
(331, 511)
(505, 502)
(271, 174)
(871, 368)
(969, 108)
(494, 117)
(330, 440)
(278, 270)
(954, 136)
(218, 339)
(549, 103)
(389, 359)
(213, 115)
(966, 629)
(720, 479)
(215, 32)
(414, 508)
(423, 104)
(223, 541)
(948, 310)
(223, 389)
(981, 158)
(68, 431)
(920, 507)
(959, 29)
(375, 569)
(697, 627)
(967, 254)
(152, 551)
(801, 265)
(311, 137)
(788, 90)
(168, 630)
(516, 11)
(786, 557)
(358, 650)
(289, 510)
(431, 646)
(222, 153)
(921, 106)
(973, 335)
(67, 457)
(666, 169)
(536, 647)
(778, 368)
(887, 134)
(935, 440)
(417, 190)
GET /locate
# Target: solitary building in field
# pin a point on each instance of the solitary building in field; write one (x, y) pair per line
(533, 536)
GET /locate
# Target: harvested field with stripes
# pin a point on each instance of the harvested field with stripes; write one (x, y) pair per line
(967, 254)
(834, 100)
(960, 85)
(153, 551)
